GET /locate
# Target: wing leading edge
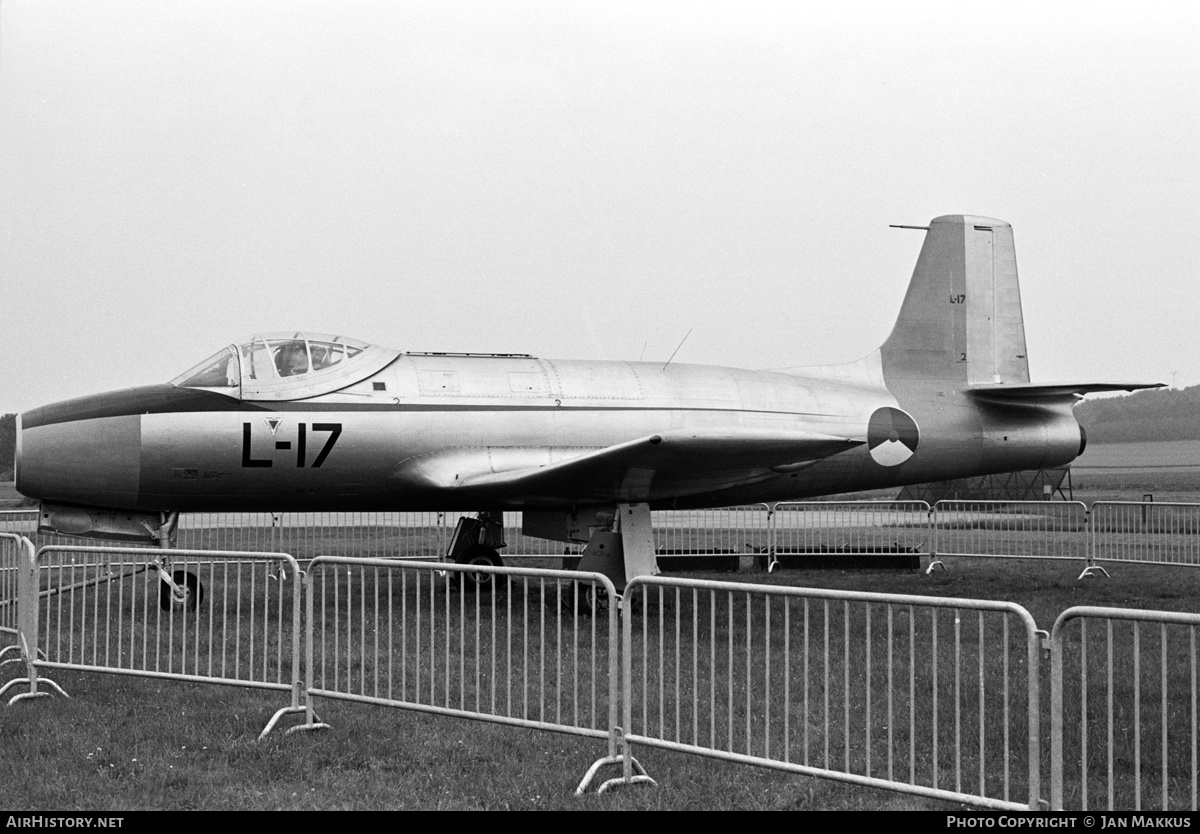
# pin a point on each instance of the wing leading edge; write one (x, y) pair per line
(669, 463)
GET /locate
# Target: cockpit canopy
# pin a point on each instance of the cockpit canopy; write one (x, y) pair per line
(287, 366)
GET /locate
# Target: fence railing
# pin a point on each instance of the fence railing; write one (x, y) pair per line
(227, 617)
(1146, 532)
(1011, 529)
(813, 533)
(16, 554)
(1124, 723)
(525, 647)
(923, 695)
(21, 522)
(804, 531)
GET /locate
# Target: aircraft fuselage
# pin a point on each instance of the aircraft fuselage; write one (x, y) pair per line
(365, 446)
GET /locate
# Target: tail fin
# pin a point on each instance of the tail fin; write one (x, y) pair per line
(961, 320)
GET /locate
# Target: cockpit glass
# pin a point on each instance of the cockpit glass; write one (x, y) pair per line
(219, 371)
(286, 365)
(275, 358)
(291, 357)
(258, 361)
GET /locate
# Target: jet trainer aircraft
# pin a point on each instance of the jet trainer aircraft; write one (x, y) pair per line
(584, 449)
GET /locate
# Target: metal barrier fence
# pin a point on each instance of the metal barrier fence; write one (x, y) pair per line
(231, 618)
(530, 648)
(1131, 681)
(921, 695)
(1012, 529)
(793, 532)
(800, 533)
(731, 531)
(14, 551)
(306, 536)
(856, 528)
(390, 535)
(1147, 532)
(22, 522)
(935, 697)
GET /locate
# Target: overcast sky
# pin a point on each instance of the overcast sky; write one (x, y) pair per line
(584, 180)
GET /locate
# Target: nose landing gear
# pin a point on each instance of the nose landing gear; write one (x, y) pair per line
(182, 590)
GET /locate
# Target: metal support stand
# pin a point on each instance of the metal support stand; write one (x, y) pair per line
(624, 552)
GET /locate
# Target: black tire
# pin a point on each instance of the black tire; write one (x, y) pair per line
(191, 586)
(479, 554)
(596, 599)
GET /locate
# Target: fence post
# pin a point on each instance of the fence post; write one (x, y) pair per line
(772, 541)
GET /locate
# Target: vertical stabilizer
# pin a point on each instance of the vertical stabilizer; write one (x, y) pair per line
(961, 320)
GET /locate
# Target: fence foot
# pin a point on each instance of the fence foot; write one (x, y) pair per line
(1091, 570)
(275, 719)
(33, 692)
(639, 776)
(318, 725)
(312, 721)
(21, 656)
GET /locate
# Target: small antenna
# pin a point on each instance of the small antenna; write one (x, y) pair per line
(643, 356)
(681, 341)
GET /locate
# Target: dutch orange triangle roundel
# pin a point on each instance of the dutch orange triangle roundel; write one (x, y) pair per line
(892, 436)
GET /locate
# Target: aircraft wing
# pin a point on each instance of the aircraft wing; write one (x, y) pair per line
(672, 462)
(1027, 392)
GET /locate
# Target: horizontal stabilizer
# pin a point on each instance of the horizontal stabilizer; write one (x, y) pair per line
(1030, 392)
(670, 463)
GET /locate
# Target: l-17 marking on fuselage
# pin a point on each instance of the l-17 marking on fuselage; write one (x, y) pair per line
(334, 430)
(302, 421)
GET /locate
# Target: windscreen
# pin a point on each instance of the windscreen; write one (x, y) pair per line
(218, 371)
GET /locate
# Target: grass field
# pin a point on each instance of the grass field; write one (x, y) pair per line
(123, 743)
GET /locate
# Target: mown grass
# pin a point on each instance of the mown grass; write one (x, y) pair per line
(127, 744)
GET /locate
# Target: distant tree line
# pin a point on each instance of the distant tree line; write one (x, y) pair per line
(1157, 414)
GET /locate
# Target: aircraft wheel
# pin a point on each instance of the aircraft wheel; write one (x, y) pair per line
(596, 599)
(193, 592)
(479, 554)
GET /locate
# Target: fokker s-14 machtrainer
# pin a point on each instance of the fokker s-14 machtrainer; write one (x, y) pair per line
(584, 449)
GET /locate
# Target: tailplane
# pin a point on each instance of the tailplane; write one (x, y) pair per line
(961, 320)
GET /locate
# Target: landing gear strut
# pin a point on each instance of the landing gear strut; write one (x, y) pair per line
(184, 590)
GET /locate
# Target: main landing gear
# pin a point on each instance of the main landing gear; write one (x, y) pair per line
(620, 542)
(476, 541)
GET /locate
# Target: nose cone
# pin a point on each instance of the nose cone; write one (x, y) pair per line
(77, 453)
